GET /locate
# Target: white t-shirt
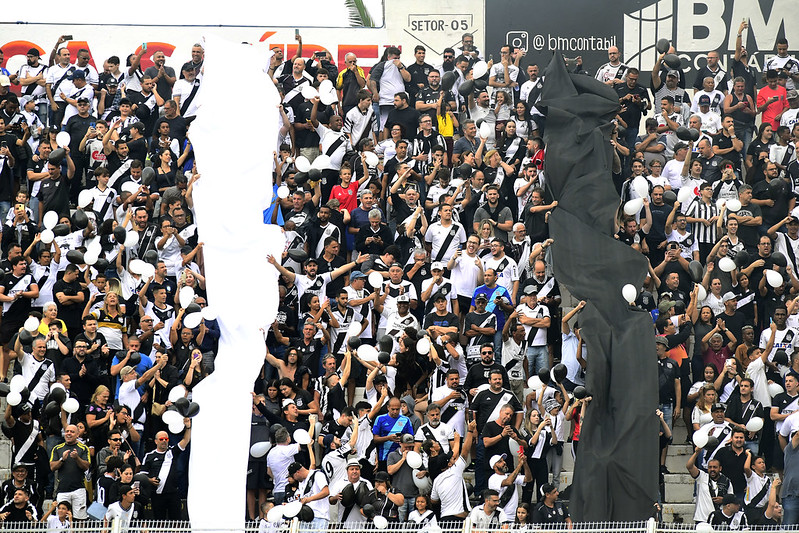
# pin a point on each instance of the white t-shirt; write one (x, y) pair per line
(183, 89)
(437, 234)
(465, 274)
(481, 520)
(450, 490)
(495, 482)
(704, 501)
(278, 461)
(391, 83)
(443, 434)
(115, 511)
(506, 268)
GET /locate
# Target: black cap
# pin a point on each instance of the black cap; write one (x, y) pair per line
(730, 498)
(294, 468)
(187, 66)
(481, 296)
(33, 52)
(382, 476)
(717, 407)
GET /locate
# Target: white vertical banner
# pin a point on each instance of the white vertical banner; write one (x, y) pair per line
(238, 105)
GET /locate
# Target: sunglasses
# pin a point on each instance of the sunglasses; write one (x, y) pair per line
(486, 353)
(115, 440)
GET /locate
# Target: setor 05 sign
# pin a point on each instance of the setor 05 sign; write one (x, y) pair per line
(440, 23)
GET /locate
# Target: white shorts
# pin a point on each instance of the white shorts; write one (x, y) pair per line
(76, 498)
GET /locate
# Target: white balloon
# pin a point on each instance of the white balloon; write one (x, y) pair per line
(686, 194)
(301, 437)
(326, 85)
(289, 160)
(50, 219)
(47, 236)
(423, 484)
(704, 527)
(147, 271)
(282, 192)
(773, 278)
(259, 449)
(372, 159)
(733, 205)
(535, 383)
(775, 389)
(177, 427)
(14, 398)
(136, 266)
(85, 198)
(185, 296)
(95, 247)
(308, 92)
(275, 514)
(57, 386)
(192, 320)
(131, 239)
(701, 293)
(62, 139)
(720, 202)
(630, 293)
(177, 392)
(479, 69)
(641, 186)
(302, 164)
(208, 313)
(329, 97)
(380, 522)
(367, 352)
(321, 162)
(486, 130)
(457, 182)
(90, 257)
(375, 279)
(423, 346)
(171, 417)
(17, 383)
(31, 324)
(130, 187)
(71, 405)
(292, 509)
(726, 264)
(355, 329)
(633, 206)
(700, 439)
(413, 459)
(755, 424)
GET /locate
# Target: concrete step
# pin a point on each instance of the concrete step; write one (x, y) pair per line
(678, 512)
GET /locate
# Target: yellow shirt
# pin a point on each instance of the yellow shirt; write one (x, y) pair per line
(445, 126)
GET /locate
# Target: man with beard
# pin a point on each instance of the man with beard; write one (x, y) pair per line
(163, 76)
(506, 483)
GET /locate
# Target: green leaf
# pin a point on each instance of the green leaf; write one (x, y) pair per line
(358, 14)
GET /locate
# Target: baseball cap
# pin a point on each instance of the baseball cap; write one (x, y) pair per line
(287, 401)
(665, 306)
(704, 100)
(5, 81)
(17, 466)
(407, 438)
(83, 100)
(792, 94)
(111, 82)
(793, 220)
(495, 459)
(730, 498)
(78, 74)
(481, 296)
(673, 72)
(717, 407)
(356, 275)
(33, 52)
(439, 296)
(728, 296)
(187, 66)
(311, 260)
(126, 370)
(382, 477)
(437, 265)
(530, 289)
(403, 298)
(294, 468)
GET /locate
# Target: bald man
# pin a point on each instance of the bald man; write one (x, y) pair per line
(70, 461)
(160, 465)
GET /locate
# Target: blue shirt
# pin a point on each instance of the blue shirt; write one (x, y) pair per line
(492, 307)
(144, 365)
(385, 426)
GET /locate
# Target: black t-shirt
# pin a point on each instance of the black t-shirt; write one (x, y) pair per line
(732, 465)
(446, 321)
(70, 313)
(177, 126)
(18, 311)
(493, 429)
(77, 126)
(556, 514)
(487, 403)
(137, 149)
(408, 118)
(636, 106)
(724, 142)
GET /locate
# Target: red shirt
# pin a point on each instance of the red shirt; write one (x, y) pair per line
(774, 108)
(347, 198)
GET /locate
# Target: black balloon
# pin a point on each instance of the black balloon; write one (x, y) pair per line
(669, 197)
(120, 234)
(448, 80)
(712, 443)
(543, 375)
(79, 219)
(58, 395)
(683, 133)
(297, 254)
(741, 259)
(193, 308)
(383, 358)
(354, 343)
(466, 88)
(695, 270)
(5, 388)
(580, 392)
(25, 336)
(781, 357)
(192, 410)
(662, 46)
(369, 511)
(147, 175)
(348, 495)
(560, 372)
(421, 334)
(300, 178)
(480, 84)
(672, 60)
(465, 171)
(182, 405)
(75, 257)
(306, 514)
(386, 343)
(135, 359)
(150, 256)
(61, 230)
(362, 495)
(314, 174)
(57, 156)
(779, 259)
(101, 265)
(25, 393)
(694, 134)
(52, 409)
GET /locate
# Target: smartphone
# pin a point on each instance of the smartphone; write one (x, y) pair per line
(491, 57)
(144, 46)
(296, 32)
(321, 54)
(92, 124)
(3, 144)
(67, 37)
(136, 484)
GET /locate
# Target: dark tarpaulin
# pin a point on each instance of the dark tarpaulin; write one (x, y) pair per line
(616, 474)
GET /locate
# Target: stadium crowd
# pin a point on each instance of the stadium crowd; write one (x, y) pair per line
(419, 317)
